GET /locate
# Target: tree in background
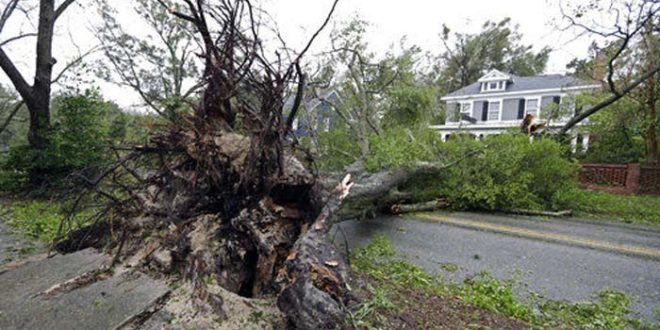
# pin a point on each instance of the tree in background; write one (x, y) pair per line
(410, 100)
(36, 96)
(626, 27)
(617, 134)
(648, 95)
(160, 65)
(350, 69)
(498, 46)
(627, 66)
(374, 95)
(82, 126)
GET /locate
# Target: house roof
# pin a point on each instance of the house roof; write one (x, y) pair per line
(312, 101)
(495, 75)
(522, 84)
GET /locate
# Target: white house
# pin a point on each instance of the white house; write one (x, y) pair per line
(498, 102)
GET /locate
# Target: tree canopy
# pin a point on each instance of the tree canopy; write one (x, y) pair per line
(497, 46)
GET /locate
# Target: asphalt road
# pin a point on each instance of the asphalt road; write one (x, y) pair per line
(13, 247)
(566, 259)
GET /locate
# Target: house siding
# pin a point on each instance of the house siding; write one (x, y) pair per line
(476, 110)
(546, 102)
(510, 109)
(451, 112)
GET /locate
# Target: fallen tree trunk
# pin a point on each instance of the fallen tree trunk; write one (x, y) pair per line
(563, 213)
(376, 193)
(419, 207)
(317, 272)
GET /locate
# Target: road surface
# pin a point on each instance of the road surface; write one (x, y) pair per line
(13, 247)
(562, 259)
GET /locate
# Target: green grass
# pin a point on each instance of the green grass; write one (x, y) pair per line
(390, 275)
(38, 219)
(368, 316)
(642, 209)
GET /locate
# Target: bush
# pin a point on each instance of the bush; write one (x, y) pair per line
(503, 172)
(78, 138)
(618, 147)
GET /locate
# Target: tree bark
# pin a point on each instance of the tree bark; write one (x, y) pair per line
(317, 273)
(375, 193)
(39, 104)
(651, 133)
(37, 96)
(419, 207)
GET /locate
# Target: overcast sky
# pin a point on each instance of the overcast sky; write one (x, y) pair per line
(419, 20)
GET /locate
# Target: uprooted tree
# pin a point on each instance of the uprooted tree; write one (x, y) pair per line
(221, 194)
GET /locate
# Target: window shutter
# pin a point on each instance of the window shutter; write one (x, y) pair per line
(521, 108)
(484, 112)
(556, 99)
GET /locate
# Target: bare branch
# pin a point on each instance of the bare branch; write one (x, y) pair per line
(18, 37)
(311, 40)
(15, 76)
(7, 12)
(62, 8)
(299, 97)
(74, 63)
(615, 97)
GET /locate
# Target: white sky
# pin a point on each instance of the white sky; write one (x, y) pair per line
(419, 20)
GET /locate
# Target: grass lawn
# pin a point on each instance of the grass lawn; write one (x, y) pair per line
(642, 209)
(398, 295)
(39, 219)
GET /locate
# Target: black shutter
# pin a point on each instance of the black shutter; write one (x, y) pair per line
(521, 108)
(484, 112)
(556, 99)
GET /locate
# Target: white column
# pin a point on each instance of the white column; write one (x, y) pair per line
(574, 144)
(585, 143)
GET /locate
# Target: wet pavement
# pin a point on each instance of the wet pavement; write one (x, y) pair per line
(562, 259)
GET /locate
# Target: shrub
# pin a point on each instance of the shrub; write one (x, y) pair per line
(508, 172)
(77, 141)
(619, 147)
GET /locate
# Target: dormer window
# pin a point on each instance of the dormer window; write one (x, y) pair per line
(493, 86)
(495, 81)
